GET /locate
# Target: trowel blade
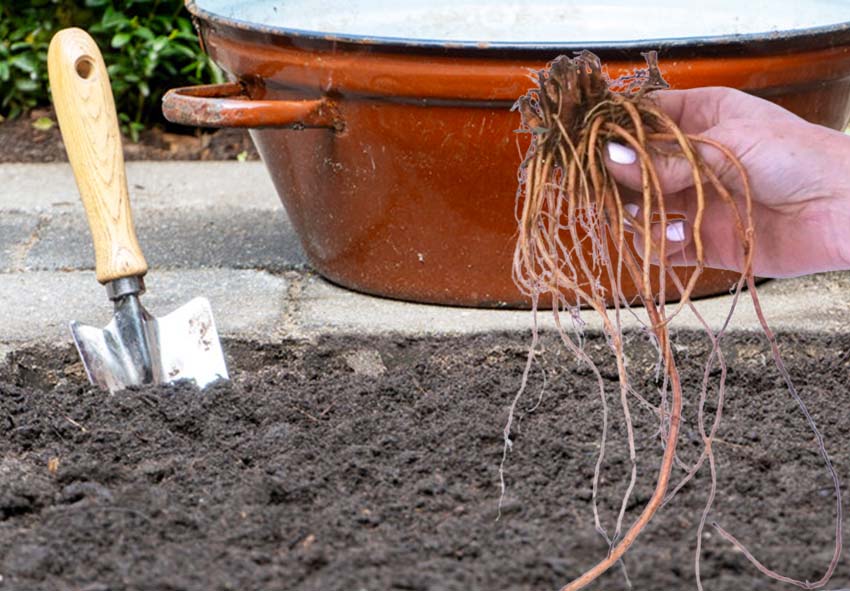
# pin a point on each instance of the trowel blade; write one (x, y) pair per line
(183, 345)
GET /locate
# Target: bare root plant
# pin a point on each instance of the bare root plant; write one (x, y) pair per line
(574, 251)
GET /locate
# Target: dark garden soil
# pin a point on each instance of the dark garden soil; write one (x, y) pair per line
(354, 464)
(21, 142)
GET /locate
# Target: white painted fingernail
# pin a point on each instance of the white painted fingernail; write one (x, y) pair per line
(676, 231)
(621, 154)
(632, 209)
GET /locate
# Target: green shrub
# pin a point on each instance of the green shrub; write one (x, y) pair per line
(149, 46)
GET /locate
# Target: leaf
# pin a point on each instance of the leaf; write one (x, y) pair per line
(134, 127)
(43, 123)
(120, 40)
(150, 42)
(112, 19)
(25, 62)
(181, 49)
(242, 156)
(167, 67)
(216, 75)
(185, 26)
(159, 44)
(26, 84)
(145, 33)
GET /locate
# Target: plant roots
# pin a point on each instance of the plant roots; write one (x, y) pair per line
(573, 250)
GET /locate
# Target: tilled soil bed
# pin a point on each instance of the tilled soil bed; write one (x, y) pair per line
(358, 464)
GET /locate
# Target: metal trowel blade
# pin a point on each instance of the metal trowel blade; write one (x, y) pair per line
(182, 345)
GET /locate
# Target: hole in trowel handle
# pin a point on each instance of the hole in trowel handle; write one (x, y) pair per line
(84, 67)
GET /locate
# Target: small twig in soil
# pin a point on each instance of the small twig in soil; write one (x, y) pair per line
(305, 413)
(327, 410)
(76, 424)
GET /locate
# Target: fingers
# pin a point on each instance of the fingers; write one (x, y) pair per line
(676, 232)
(695, 110)
(699, 109)
(720, 115)
(743, 145)
(674, 172)
(678, 242)
(620, 155)
(722, 246)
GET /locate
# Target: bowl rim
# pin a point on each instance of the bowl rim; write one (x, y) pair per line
(811, 38)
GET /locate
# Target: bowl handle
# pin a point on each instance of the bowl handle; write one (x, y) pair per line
(228, 105)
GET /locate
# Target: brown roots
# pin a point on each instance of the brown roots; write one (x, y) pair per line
(573, 250)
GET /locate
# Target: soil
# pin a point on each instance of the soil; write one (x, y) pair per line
(21, 142)
(356, 464)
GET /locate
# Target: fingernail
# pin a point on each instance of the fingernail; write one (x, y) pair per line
(676, 231)
(621, 154)
(632, 209)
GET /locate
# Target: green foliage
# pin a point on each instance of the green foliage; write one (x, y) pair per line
(149, 46)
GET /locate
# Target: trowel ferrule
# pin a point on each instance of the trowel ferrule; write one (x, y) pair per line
(125, 286)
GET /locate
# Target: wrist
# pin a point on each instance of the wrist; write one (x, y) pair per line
(841, 236)
(837, 225)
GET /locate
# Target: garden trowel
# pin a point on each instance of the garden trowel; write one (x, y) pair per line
(135, 348)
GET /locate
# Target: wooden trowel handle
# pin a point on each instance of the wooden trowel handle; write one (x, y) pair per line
(85, 108)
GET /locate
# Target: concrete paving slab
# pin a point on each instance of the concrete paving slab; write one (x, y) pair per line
(324, 308)
(188, 215)
(157, 185)
(819, 303)
(180, 239)
(39, 305)
(16, 233)
(224, 215)
(260, 306)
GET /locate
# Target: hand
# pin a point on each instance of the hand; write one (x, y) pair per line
(799, 176)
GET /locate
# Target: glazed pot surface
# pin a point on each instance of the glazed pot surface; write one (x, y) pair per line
(403, 183)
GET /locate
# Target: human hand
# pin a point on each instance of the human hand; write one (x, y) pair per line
(799, 175)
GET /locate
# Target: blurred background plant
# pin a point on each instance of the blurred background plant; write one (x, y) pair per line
(149, 46)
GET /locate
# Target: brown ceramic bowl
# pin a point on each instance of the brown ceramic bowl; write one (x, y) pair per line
(389, 134)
